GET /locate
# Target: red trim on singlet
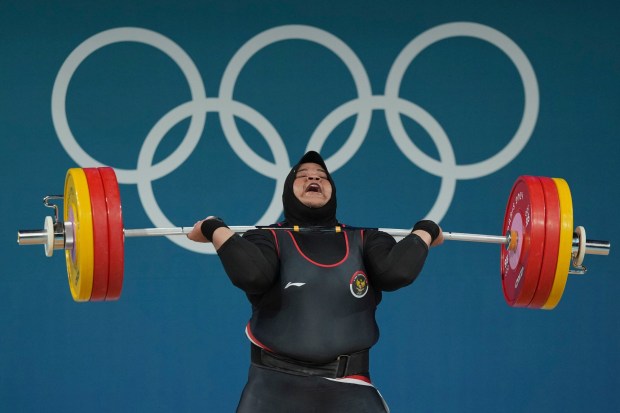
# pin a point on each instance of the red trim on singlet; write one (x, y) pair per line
(248, 332)
(276, 238)
(346, 240)
(358, 377)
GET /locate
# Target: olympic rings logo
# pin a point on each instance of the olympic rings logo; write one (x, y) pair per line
(361, 107)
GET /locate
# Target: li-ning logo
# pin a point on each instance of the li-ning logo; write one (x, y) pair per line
(361, 107)
(291, 284)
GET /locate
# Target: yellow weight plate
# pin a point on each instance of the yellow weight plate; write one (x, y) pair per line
(77, 210)
(566, 244)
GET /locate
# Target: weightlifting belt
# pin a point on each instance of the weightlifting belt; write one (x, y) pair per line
(345, 365)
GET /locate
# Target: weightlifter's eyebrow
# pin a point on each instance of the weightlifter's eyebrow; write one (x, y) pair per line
(305, 169)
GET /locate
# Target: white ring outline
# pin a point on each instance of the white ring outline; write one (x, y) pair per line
(108, 37)
(158, 132)
(415, 112)
(295, 32)
(528, 78)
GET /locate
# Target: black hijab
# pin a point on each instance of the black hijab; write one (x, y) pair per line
(296, 213)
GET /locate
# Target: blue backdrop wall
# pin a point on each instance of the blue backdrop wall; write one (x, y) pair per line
(421, 108)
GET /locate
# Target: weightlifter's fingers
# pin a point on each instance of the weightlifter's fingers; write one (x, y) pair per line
(196, 233)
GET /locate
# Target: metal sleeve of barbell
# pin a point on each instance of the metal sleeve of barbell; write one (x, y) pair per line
(593, 246)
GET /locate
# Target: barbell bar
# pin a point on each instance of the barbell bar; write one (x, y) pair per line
(40, 237)
(594, 247)
(540, 246)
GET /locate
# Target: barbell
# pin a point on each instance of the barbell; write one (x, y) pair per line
(540, 246)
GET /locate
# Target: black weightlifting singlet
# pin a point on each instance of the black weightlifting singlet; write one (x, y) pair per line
(316, 311)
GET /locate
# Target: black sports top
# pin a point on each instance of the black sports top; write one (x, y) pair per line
(317, 309)
(321, 319)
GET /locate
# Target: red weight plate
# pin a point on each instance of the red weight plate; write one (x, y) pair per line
(116, 236)
(100, 234)
(525, 214)
(552, 243)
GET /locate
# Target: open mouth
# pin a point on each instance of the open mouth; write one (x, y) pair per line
(314, 188)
